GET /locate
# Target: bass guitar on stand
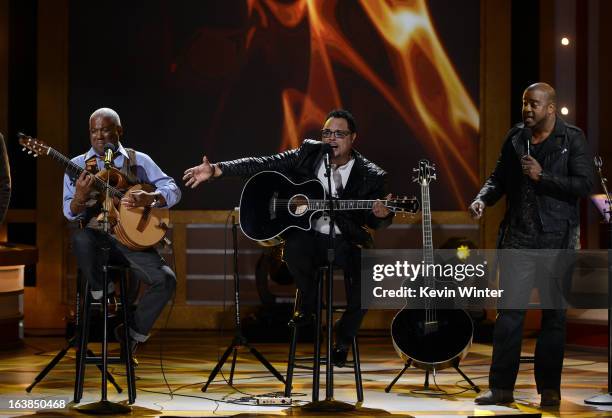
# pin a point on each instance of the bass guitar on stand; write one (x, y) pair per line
(431, 339)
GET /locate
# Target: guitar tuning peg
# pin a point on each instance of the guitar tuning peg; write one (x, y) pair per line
(415, 179)
(434, 176)
(35, 155)
(29, 152)
(415, 170)
(23, 149)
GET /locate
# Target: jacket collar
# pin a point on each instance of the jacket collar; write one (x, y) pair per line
(356, 172)
(552, 144)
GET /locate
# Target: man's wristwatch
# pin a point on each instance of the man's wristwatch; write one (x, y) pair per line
(155, 202)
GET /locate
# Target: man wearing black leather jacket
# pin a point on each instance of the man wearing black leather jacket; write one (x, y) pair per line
(354, 177)
(5, 180)
(545, 167)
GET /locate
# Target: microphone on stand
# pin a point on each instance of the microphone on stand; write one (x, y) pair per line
(109, 151)
(327, 151)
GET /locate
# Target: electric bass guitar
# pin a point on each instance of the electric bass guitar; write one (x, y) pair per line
(136, 228)
(270, 204)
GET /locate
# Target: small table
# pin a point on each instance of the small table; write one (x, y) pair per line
(13, 259)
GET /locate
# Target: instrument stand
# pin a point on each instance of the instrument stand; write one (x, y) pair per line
(426, 390)
(239, 340)
(606, 398)
(104, 406)
(329, 404)
(70, 344)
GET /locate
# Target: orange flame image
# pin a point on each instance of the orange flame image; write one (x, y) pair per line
(426, 93)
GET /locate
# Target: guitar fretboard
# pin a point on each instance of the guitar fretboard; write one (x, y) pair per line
(342, 204)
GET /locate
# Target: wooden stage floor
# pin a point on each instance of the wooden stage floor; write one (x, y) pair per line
(188, 358)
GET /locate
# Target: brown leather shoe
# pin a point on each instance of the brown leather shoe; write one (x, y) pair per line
(495, 397)
(550, 397)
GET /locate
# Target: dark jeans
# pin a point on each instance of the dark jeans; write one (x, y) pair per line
(147, 265)
(525, 273)
(305, 252)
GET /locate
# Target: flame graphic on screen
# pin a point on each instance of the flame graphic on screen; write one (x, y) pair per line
(427, 93)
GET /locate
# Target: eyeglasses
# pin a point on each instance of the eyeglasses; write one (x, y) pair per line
(328, 133)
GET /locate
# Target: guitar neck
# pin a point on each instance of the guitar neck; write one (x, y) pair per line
(76, 170)
(343, 204)
(427, 231)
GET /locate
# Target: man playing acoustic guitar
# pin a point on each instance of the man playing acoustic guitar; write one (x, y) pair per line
(353, 177)
(81, 204)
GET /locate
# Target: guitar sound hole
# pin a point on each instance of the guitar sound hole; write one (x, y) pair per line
(298, 205)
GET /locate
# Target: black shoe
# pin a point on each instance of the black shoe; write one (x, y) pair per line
(495, 397)
(550, 397)
(301, 319)
(339, 355)
(119, 335)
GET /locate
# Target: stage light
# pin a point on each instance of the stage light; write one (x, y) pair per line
(565, 41)
(564, 111)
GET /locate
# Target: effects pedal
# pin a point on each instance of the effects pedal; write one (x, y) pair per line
(269, 400)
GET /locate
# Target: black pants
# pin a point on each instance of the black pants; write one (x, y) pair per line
(147, 266)
(525, 273)
(305, 252)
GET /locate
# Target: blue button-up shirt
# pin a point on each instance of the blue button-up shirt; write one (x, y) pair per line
(146, 171)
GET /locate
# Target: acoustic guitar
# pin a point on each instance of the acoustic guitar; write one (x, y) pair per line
(136, 228)
(270, 204)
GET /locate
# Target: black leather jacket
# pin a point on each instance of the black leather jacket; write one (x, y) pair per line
(5, 180)
(366, 181)
(567, 175)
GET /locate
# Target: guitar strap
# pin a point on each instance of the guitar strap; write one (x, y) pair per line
(93, 205)
(129, 169)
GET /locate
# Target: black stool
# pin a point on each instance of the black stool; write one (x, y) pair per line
(83, 336)
(294, 362)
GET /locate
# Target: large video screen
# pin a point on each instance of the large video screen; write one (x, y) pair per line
(235, 78)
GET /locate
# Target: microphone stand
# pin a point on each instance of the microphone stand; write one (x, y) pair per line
(606, 398)
(329, 404)
(239, 339)
(104, 406)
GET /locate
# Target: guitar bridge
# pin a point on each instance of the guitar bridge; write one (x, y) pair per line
(272, 207)
(430, 326)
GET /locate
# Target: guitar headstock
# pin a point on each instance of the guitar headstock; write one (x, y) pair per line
(425, 173)
(33, 145)
(403, 204)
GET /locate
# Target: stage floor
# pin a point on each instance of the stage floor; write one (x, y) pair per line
(188, 358)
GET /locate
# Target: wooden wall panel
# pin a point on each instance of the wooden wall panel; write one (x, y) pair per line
(43, 303)
(494, 101)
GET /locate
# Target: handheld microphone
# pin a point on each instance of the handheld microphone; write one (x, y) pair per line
(528, 134)
(109, 150)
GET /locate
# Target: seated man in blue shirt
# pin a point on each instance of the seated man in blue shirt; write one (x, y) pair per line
(81, 204)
